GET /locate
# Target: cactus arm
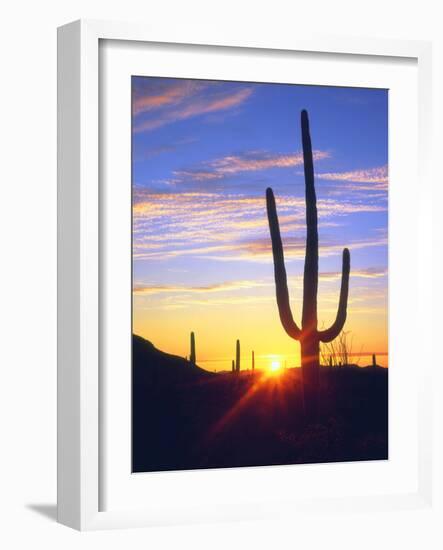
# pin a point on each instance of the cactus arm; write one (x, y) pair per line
(281, 283)
(329, 334)
(310, 278)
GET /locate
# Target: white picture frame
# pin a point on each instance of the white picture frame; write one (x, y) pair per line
(80, 411)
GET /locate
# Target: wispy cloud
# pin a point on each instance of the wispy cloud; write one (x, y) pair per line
(364, 299)
(252, 161)
(153, 108)
(241, 285)
(190, 301)
(260, 250)
(251, 250)
(376, 177)
(219, 287)
(155, 96)
(368, 273)
(241, 206)
(213, 225)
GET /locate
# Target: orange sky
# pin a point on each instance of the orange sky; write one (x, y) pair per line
(251, 315)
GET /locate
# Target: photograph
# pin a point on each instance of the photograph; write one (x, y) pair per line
(222, 262)
(259, 273)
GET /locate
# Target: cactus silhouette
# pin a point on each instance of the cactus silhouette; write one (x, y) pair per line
(253, 361)
(233, 366)
(237, 356)
(308, 335)
(192, 356)
(374, 360)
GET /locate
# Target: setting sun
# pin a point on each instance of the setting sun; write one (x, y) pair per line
(275, 367)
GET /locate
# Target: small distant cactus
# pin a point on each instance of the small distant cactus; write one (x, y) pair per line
(330, 360)
(233, 366)
(374, 360)
(237, 356)
(192, 358)
(253, 361)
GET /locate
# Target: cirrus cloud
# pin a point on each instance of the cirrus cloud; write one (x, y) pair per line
(153, 109)
(251, 161)
(376, 177)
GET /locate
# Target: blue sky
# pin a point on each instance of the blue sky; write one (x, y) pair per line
(204, 153)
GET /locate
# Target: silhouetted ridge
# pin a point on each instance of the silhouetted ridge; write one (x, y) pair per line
(154, 367)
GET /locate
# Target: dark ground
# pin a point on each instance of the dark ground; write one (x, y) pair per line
(186, 418)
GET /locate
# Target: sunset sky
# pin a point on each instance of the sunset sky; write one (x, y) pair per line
(204, 153)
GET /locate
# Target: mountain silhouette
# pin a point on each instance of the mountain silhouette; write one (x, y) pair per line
(156, 368)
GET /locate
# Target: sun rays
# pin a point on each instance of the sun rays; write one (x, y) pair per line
(271, 386)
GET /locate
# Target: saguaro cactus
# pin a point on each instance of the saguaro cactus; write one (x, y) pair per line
(233, 366)
(374, 360)
(308, 335)
(192, 356)
(253, 361)
(237, 356)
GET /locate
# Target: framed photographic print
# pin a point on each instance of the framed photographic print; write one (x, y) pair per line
(235, 218)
